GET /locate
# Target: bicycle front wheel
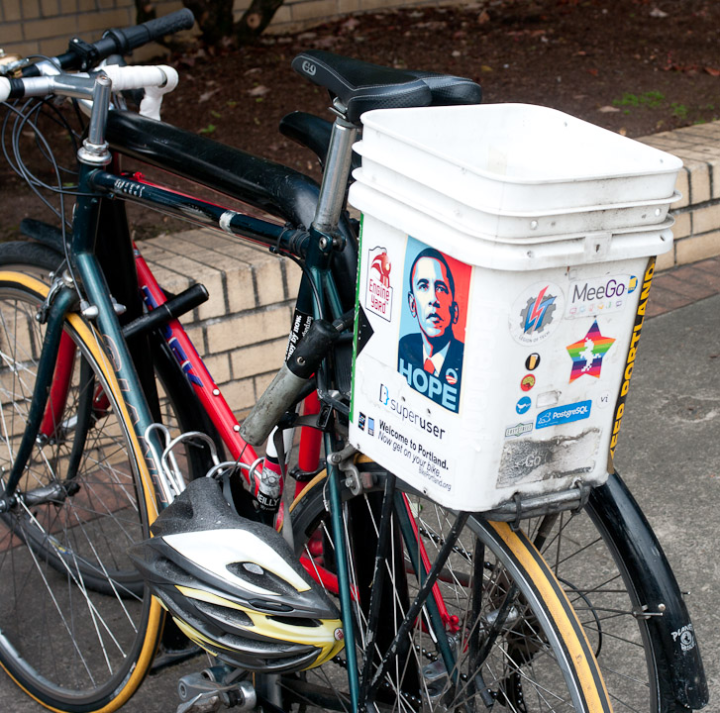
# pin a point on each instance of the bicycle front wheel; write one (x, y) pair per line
(497, 630)
(77, 629)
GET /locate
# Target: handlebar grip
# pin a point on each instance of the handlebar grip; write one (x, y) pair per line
(132, 37)
(84, 56)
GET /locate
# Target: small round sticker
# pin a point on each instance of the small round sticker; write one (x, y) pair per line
(527, 382)
(523, 405)
(532, 362)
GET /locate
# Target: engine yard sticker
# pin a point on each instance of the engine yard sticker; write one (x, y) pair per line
(378, 299)
(630, 361)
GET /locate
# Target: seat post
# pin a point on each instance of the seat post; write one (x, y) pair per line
(335, 177)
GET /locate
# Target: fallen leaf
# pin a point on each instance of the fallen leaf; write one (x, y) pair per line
(260, 91)
(712, 71)
(594, 72)
(351, 23)
(485, 68)
(657, 12)
(608, 109)
(622, 131)
(483, 17)
(207, 95)
(326, 42)
(457, 53)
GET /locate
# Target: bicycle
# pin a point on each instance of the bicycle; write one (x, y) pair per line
(519, 589)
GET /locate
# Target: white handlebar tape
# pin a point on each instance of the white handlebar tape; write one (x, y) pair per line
(4, 88)
(156, 81)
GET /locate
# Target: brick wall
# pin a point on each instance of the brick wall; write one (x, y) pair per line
(44, 26)
(697, 214)
(241, 332)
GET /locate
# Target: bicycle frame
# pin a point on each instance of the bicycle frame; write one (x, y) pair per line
(95, 284)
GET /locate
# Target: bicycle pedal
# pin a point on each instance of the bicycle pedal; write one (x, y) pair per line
(206, 692)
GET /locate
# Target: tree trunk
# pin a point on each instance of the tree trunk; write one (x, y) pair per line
(214, 17)
(144, 11)
(255, 19)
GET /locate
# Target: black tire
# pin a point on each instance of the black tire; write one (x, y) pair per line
(537, 658)
(79, 631)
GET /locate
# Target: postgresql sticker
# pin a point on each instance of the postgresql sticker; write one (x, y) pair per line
(536, 313)
(564, 414)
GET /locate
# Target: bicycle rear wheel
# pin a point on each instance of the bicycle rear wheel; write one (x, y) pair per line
(78, 631)
(509, 636)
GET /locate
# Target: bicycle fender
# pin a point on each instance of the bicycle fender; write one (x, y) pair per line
(44, 233)
(682, 676)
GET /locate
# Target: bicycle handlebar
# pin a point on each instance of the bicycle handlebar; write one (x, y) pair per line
(156, 80)
(84, 56)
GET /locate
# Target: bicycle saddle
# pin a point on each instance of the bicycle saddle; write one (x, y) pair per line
(362, 86)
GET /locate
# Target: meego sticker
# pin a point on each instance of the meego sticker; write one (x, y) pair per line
(564, 414)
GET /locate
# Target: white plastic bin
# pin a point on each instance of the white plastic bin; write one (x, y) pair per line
(487, 367)
(515, 157)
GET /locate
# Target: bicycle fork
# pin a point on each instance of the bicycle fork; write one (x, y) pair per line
(60, 300)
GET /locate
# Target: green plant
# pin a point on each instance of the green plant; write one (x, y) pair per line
(652, 99)
(679, 110)
(209, 129)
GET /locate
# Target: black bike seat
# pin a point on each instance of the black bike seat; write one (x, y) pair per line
(361, 86)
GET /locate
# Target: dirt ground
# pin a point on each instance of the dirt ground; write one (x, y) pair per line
(632, 66)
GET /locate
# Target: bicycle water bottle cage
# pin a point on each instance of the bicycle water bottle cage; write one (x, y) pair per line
(361, 86)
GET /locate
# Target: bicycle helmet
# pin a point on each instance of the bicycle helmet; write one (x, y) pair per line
(235, 587)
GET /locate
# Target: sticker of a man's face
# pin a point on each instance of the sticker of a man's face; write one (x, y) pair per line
(432, 300)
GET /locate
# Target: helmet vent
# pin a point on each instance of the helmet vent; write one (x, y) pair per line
(223, 616)
(253, 568)
(295, 621)
(255, 574)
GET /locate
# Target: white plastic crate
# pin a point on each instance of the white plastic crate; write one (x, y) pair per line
(515, 158)
(530, 340)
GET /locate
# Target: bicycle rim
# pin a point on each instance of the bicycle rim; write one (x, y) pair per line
(602, 593)
(510, 634)
(77, 630)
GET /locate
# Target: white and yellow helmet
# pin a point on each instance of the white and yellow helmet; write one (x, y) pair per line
(234, 586)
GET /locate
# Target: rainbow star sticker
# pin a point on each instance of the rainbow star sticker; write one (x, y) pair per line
(588, 353)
